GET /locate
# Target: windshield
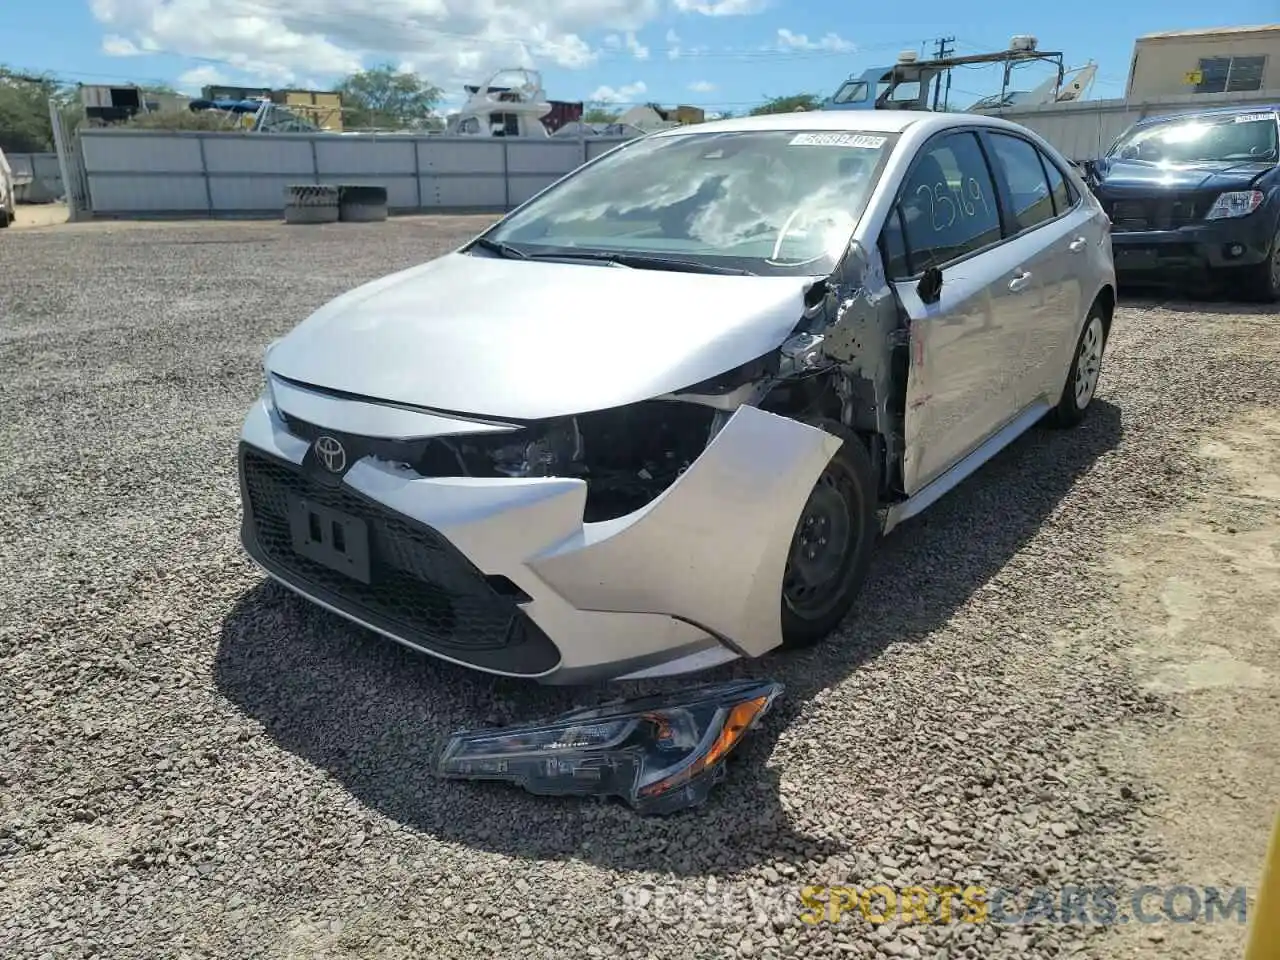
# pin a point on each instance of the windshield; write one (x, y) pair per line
(1245, 137)
(768, 202)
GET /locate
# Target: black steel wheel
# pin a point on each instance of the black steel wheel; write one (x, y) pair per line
(832, 545)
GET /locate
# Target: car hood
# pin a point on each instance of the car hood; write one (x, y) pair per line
(1137, 177)
(525, 340)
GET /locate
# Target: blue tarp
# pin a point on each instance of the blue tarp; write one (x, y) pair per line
(234, 106)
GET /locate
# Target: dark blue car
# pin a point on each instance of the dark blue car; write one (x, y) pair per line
(1195, 196)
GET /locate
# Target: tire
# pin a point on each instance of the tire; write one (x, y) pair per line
(310, 214)
(6, 217)
(1083, 374)
(818, 590)
(362, 212)
(1262, 282)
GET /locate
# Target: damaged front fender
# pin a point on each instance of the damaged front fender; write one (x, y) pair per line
(712, 548)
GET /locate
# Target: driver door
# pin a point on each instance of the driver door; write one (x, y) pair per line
(962, 381)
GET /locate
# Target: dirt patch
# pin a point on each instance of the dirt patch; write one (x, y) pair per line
(1203, 594)
(40, 214)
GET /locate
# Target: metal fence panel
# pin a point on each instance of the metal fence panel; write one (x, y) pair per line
(249, 154)
(143, 193)
(38, 175)
(192, 172)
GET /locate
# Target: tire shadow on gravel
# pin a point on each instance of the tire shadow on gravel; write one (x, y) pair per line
(373, 715)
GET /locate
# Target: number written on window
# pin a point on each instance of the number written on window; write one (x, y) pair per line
(948, 202)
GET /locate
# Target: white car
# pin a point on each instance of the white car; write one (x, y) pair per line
(8, 203)
(655, 418)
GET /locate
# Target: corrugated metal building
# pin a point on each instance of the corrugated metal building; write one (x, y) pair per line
(1219, 60)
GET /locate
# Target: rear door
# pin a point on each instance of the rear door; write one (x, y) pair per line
(960, 386)
(1049, 231)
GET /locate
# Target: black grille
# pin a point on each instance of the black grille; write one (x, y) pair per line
(1164, 213)
(421, 589)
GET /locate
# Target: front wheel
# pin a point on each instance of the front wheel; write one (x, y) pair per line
(1262, 282)
(1085, 370)
(831, 548)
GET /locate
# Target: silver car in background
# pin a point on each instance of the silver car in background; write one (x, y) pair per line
(655, 418)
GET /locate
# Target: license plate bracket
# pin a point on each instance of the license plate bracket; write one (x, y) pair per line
(330, 537)
(1137, 258)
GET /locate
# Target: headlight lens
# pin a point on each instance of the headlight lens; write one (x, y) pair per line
(266, 376)
(1235, 203)
(660, 753)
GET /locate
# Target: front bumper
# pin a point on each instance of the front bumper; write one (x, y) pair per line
(1211, 245)
(502, 575)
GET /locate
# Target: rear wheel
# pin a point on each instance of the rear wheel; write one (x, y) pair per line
(1082, 376)
(831, 548)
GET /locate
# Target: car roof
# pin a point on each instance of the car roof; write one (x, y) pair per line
(868, 121)
(1214, 112)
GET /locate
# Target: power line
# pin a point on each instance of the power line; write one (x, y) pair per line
(941, 52)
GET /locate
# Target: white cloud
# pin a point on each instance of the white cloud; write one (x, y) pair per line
(114, 45)
(627, 93)
(638, 49)
(799, 41)
(206, 76)
(721, 8)
(449, 42)
(702, 86)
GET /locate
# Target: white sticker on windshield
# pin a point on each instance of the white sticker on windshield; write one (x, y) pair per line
(1250, 117)
(859, 140)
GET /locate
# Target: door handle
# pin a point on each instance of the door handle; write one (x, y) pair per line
(1020, 282)
(1078, 244)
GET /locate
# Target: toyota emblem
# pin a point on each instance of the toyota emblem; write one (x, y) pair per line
(331, 454)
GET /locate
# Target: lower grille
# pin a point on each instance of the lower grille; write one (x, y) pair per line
(421, 588)
(1165, 213)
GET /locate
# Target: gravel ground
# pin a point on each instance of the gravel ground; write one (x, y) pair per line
(195, 763)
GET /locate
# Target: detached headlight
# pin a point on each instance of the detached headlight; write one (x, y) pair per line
(660, 753)
(1236, 203)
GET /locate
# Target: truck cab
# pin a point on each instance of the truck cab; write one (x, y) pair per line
(904, 86)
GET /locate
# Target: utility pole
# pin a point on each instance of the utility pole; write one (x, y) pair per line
(945, 47)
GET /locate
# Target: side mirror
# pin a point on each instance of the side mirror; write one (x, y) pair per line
(929, 286)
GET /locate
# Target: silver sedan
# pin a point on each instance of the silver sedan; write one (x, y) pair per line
(656, 418)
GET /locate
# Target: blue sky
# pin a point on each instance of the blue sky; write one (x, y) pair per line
(721, 54)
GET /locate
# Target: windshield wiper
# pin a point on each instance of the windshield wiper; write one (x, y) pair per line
(500, 248)
(642, 261)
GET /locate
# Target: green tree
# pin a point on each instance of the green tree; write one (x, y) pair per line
(384, 97)
(796, 101)
(182, 120)
(25, 126)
